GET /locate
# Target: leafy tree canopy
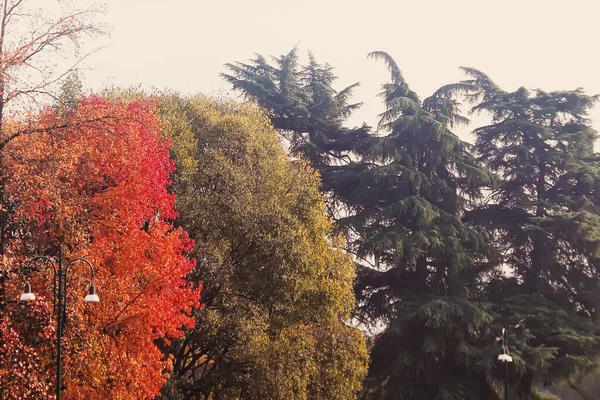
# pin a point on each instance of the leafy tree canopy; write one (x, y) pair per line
(303, 106)
(421, 268)
(543, 216)
(97, 190)
(277, 286)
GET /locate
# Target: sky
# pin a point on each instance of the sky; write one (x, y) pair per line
(183, 44)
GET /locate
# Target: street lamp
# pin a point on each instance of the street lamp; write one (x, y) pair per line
(505, 358)
(60, 299)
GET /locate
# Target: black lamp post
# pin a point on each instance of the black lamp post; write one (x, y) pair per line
(505, 358)
(60, 299)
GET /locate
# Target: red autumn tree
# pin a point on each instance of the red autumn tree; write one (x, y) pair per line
(98, 190)
(39, 47)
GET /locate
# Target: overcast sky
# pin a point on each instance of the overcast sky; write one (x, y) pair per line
(183, 44)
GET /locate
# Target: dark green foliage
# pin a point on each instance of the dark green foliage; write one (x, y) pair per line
(405, 206)
(543, 215)
(303, 106)
(70, 94)
(405, 211)
(435, 348)
(453, 242)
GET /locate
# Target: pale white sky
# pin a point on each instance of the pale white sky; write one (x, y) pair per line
(183, 44)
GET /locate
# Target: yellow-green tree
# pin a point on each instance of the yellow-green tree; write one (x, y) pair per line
(277, 286)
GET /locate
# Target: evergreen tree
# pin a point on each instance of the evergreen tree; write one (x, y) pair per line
(427, 243)
(303, 106)
(71, 92)
(544, 217)
(406, 199)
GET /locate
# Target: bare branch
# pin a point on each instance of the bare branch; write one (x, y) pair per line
(12, 8)
(42, 129)
(40, 88)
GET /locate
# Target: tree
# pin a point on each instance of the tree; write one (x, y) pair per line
(71, 92)
(29, 58)
(277, 286)
(545, 218)
(304, 107)
(421, 269)
(454, 241)
(98, 190)
(33, 44)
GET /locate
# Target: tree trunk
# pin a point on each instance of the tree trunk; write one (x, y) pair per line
(537, 252)
(421, 274)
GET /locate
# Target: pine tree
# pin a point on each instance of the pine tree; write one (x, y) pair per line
(544, 217)
(427, 242)
(406, 199)
(303, 106)
(71, 92)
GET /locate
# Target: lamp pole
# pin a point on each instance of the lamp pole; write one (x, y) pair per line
(505, 375)
(505, 358)
(60, 270)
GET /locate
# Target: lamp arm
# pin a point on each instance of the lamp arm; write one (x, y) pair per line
(67, 265)
(32, 266)
(92, 272)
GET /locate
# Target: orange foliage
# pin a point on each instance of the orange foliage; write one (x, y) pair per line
(100, 189)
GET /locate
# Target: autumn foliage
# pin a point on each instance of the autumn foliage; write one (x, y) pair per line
(277, 286)
(98, 186)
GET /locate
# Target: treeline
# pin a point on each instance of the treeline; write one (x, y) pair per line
(454, 241)
(240, 247)
(241, 225)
